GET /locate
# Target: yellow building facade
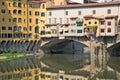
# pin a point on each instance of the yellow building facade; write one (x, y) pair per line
(91, 25)
(22, 19)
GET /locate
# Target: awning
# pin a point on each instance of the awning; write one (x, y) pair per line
(91, 27)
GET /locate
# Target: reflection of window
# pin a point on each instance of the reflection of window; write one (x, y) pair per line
(3, 3)
(9, 28)
(109, 23)
(109, 30)
(3, 28)
(2, 11)
(102, 30)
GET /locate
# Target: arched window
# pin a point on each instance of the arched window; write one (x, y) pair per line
(19, 11)
(36, 29)
(19, 20)
(43, 6)
(15, 28)
(19, 5)
(14, 11)
(14, 19)
(14, 4)
(19, 29)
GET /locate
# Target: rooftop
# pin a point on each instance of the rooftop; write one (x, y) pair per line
(85, 5)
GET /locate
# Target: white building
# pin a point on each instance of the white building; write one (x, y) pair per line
(62, 20)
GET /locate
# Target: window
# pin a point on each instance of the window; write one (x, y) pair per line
(36, 78)
(79, 31)
(14, 19)
(9, 11)
(102, 30)
(37, 20)
(30, 13)
(30, 28)
(73, 31)
(4, 35)
(19, 11)
(25, 28)
(9, 19)
(95, 22)
(9, 28)
(49, 20)
(36, 29)
(79, 12)
(94, 11)
(109, 23)
(14, 11)
(43, 14)
(19, 5)
(55, 19)
(14, 4)
(109, 11)
(30, 20)
(3, 19)
(102, 22)
(2, 11)
(3, 3)
(79, 24)
(66, 12)
(15, 28)
(43, 6)
(3, 28)
(19, 20)
(9, 4)
(36, 13)
(89, 22)
(61, 20)
(9, 36)
(109, 30)
(50, 13)
(19, 29)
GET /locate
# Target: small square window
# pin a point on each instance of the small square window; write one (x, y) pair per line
(109, 23)
(109, 30)
(94, 11)
(102, 22)
(109, 11)
(66, 12)
(3, 28)
(102, 30)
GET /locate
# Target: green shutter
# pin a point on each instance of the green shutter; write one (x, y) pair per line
(79, 31)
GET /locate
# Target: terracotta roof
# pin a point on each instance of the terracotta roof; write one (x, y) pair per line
(84, 5)
(38, 1)
(112, 16)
